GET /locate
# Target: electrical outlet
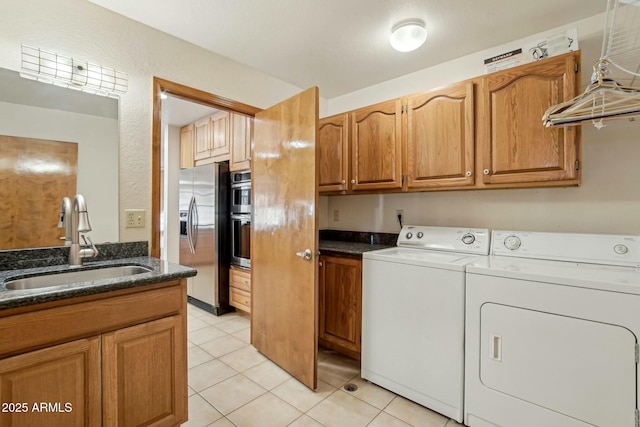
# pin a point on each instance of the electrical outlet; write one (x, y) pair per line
(135, 218)
(336, 215)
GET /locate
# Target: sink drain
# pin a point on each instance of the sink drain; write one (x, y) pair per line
(350, 387)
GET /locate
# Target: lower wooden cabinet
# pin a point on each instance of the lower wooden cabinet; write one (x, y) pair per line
(122, 362)
(240, 289)
(340, 288)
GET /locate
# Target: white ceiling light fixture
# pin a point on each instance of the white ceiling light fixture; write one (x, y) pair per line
(408, 35)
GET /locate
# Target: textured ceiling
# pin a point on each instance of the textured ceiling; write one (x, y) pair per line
(342, 45)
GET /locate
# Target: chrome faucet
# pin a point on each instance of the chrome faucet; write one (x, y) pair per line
(80, 224)
(65, 220)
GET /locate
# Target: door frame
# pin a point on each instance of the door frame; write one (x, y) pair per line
(186, 93)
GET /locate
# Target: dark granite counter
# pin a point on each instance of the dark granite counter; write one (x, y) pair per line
(33, 262)
(353, 243)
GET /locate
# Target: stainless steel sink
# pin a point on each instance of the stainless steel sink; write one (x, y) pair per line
(56, 279)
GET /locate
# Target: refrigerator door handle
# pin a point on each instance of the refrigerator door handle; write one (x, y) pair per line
(194, 224)
(190, 225)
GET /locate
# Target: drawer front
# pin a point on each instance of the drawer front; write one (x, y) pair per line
(240, 299)
(240, 279)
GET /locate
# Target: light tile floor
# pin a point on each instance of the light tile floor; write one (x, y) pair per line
(232, 384)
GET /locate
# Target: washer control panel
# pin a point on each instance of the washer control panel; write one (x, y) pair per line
(453, 239)
(586, 248)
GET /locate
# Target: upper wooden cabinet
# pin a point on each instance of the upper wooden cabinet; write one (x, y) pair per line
(376, 147)
(333, 153)
(202, 139)
(220, 135)
(515, 148)
(186, 146)
(240, 144)
(440, 138)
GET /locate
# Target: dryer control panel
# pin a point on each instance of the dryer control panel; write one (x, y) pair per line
(452, 239)
(608, 249)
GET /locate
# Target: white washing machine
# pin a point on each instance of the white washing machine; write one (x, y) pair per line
(413, 314)
(552, 326)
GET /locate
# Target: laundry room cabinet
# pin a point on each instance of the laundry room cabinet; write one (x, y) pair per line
(340, 289)
(482, 133)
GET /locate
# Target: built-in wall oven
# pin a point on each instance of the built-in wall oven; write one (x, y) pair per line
(241, 240)
(241, 192)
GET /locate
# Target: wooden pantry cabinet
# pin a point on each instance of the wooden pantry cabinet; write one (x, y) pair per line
(116, 359)
(340, 304)
(478, 134)
(240, 143)
(186, 146)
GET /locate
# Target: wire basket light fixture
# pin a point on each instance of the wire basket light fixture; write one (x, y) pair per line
(72, 73)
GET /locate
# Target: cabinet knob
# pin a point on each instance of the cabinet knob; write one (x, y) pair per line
(353, 181)
(468, 173)
(320, 263)
(344, 182)
(486, 171)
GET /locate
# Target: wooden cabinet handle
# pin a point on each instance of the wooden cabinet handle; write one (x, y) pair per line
(468, 173)
(353, 181)
(486, 171)
(343, 182)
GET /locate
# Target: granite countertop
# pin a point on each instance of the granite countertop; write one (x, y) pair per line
(161, 271)
(336, 247)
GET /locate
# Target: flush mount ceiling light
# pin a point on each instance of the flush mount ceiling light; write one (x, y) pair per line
(408, 35)
(49, 67)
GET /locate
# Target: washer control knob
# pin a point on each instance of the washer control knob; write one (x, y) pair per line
(512, 243)
(408, 235)
(468, 239)
(620, 249)
(420, 235)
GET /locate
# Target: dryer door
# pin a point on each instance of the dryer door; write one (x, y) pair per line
(579, 368)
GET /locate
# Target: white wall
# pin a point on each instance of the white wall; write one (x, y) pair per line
(97, 153)
(607, 202)
(84, 30)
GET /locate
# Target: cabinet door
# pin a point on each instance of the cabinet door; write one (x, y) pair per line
(202, 139)
(376, 150)
(241, 136)
(333, 153)
(56, 386)
(220, 134)
(515, 146)
(341, 304)
(440, 138)
(144, 374)
(186, 146)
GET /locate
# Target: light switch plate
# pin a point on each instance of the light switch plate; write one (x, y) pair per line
(135, 218)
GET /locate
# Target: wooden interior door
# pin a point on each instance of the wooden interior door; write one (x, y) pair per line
(284, 285)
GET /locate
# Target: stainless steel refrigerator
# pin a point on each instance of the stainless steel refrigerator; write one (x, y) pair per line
(204, 234)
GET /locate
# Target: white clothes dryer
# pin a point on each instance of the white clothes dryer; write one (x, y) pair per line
(413, 314)
(552, 325)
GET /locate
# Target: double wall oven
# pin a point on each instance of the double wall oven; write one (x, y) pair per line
(241, 219)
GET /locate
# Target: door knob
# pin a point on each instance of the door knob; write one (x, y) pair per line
(306, 254)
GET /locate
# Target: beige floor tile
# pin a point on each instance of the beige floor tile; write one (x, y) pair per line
(267, 374)
(340, 409)
(197, 356)
(195, 323)
(385, 420)
(221, 346)
(265, 411)
(337, 370)
(243, 359)
(208, 374)
(414, 414)
(190, 391)
(232, 393)
(214, 320)
(235, 325)
(201, 413)
(192, 310)
(371, 393)
(297, 394)
(453, 423)
(244, 335)
(305, 421)
(190, 344)
(222, 422)
(206, 334)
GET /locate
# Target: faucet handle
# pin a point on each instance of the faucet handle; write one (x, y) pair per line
(91, 252)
